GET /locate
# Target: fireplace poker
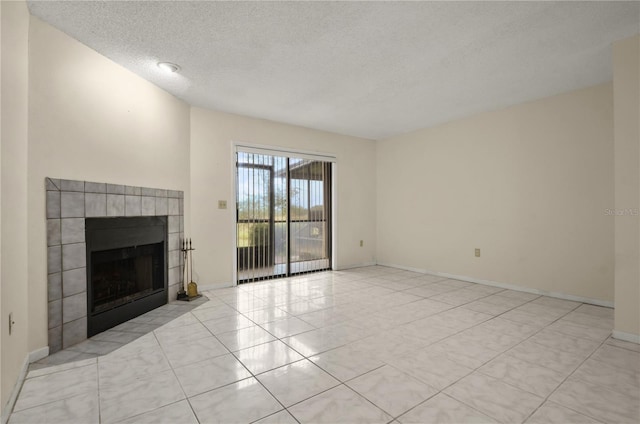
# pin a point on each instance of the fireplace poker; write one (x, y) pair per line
(182, 294)
(192, 287)
(185, 269)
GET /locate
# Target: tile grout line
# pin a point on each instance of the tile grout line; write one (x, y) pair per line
(243, 365)
(503, 352)
(304, 357)
(546, 399)
(417, 300)
(164, 354)
(48, 402)
(280, 340)
(98, 390)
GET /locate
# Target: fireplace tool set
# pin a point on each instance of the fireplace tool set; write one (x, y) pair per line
(187, 272)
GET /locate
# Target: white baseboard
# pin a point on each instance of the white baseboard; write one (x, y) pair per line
(352, 266)
(202, 288)
(38, 354)
(33, 356)
(557, 295)
(405, 268)
(627, 337)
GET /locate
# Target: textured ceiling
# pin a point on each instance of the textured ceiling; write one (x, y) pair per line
(370, 69)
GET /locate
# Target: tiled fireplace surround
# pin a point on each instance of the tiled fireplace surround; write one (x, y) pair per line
(69, 202)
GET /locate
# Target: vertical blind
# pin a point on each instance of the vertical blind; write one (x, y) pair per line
(283, 220)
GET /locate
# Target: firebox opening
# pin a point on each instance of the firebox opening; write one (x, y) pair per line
(120, 276)
(126, 267)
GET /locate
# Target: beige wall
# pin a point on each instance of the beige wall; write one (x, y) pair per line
(90, 119)
(528, 185)
(13, 279)
(212, 167)
(626, 91)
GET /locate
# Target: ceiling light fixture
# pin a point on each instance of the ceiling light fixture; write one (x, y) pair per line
(168, 67)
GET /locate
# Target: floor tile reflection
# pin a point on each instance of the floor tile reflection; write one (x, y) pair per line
(367, 345)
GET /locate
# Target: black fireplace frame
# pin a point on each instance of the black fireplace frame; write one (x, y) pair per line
(115, 233)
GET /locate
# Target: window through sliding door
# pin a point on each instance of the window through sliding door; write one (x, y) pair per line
(283, 216)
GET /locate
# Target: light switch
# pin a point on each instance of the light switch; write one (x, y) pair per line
(222, 204)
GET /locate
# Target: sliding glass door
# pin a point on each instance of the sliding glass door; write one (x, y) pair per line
(283, 220)
(309, 215)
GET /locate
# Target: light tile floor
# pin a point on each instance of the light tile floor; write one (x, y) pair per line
(369, 345)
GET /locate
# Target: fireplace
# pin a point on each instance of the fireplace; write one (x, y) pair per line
(71, 207)
(126, 275)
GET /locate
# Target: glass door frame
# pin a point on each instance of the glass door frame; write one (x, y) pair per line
(331, 238)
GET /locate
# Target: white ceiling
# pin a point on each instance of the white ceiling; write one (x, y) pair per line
(370, 69)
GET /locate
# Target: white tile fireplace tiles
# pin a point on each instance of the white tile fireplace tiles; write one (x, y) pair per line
(74, 307)
(73, 332)
(72, 230)
(69, 203)
(161, 206)
(148, 205)
(55, 313)
(95, 187)
(115, 205)
(75, 281)
(54, 259)
(53, 232)
(74, 256)
(174, 224)
(133, 191)
(95, 205)
(115, 189)
(132, 206)
(72, 185)
(54, 288)
(145, 191)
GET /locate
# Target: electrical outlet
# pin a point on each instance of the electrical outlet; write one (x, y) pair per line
(222, 204)
(477, 253)
(361, 243)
